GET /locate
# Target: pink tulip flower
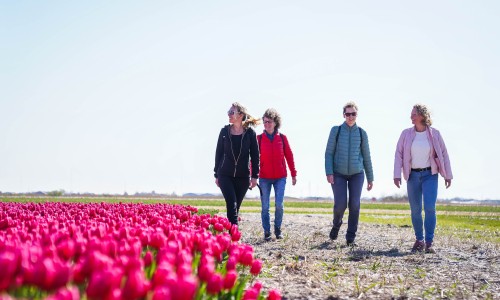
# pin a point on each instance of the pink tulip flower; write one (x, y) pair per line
(214, 284)
(230, 279)
(148, 258)
(164, 275)
(257, 286)
(185, 288)
(136, 285)
(206, 271)
(256, 267)
(251, 294)
(104, 282)
(9, 266)
(246, 258)
(231, 264)
(274, 295)
(218, 227)
(161, 293)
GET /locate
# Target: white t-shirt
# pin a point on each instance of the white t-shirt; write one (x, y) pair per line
(420, 151)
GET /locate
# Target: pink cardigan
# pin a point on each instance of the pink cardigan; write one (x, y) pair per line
(440, 161)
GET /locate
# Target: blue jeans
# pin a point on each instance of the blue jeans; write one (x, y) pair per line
(279, 194)
(423, 185)
(342, 183)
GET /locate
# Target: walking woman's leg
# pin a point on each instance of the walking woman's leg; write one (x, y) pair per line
(279, 195)
(429, 191)
(355, 185)
(340, 199)
(265, 188)
(414, 187)
(241, 187)
(228, 190)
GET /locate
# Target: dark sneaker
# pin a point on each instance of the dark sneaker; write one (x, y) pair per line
(278, 234)
(267, 236)
(350, 243)
(418, 246)
(334, 233)
(428, 248)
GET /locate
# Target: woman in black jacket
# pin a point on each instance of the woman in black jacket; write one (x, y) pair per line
(237, 144)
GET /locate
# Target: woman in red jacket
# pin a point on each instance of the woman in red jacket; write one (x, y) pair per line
(274, 150)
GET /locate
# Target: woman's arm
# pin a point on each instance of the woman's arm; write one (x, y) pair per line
(254, 154)
(219, 151)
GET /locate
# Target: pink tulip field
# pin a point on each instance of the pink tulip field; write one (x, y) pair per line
(72, 251)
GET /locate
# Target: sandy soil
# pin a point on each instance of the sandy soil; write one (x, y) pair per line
(306, 264)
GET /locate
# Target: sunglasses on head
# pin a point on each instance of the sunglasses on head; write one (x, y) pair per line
(352, 114)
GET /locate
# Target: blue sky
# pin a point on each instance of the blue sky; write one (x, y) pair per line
(116, 96)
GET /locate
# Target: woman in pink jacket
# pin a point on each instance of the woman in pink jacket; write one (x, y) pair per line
(421, 154)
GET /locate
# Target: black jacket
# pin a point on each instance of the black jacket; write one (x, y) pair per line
(227, 164)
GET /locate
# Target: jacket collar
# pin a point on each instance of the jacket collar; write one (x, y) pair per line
(355, 126)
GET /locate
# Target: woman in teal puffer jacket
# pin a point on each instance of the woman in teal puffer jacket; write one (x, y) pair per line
(347, 158)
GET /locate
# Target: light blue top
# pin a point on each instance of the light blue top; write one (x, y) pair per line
(351, 154)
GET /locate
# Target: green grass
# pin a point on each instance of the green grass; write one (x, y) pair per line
(439, 207)
(459, 222)
(256, 203)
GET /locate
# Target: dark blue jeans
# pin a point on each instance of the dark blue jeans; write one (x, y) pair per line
(233, 189)
(342, 184)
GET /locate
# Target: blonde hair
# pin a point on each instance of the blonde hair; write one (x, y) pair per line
(424, 112)
(350, 104)
(248, 120)
(273, 114)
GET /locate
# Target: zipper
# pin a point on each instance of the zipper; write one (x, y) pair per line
(349, 153)
(223, 159)
(272, 156)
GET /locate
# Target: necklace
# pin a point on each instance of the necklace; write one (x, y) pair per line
(236, 131)
(232, 151)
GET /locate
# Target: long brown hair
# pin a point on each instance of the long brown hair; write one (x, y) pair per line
(248, 120)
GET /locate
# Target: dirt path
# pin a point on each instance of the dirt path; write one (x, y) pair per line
(307, 265)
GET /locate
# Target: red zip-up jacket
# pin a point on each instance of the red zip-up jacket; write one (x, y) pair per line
(273, 155)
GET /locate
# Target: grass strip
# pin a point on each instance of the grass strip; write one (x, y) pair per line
(255, 203)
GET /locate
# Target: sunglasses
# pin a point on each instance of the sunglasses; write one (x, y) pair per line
(353, 114)
(268, 122)
(231, 112)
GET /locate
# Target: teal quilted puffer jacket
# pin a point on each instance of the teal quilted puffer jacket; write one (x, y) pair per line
(349, 152)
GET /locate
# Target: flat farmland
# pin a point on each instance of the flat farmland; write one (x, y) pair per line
(306, 264)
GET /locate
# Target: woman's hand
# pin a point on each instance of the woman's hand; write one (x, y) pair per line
(217, 181)
(370, 186)
(330, 179)
(253, 183)
(447, 183)
(294, 180)
(397, 182)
